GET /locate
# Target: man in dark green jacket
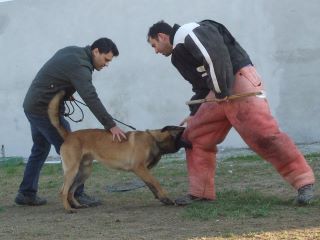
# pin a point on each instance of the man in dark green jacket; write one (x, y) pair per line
(69, 69)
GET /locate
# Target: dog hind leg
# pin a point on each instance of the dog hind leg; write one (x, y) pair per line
(83, 174)
(76, 183)
(69, 177)
(70, 163)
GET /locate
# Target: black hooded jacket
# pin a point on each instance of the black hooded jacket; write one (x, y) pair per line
(207, 56)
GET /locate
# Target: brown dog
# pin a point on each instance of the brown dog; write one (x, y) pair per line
(141, 151)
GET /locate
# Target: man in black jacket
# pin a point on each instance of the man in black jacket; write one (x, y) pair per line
(209, 57)
(70, 69)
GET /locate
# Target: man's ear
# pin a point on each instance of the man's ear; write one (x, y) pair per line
(95, 51)
(163, 36)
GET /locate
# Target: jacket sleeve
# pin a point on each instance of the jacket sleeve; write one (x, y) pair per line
(82, 81)
(206, 45)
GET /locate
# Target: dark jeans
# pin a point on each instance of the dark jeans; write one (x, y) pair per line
(43, 135)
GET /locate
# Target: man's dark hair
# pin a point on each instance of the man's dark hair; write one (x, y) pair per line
(105, 45)
(159, 27)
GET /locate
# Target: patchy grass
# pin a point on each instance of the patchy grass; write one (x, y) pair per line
(235, 204)
(253, 202)
(52, 170)
(247, 158)
(312, 156)
(10, 166)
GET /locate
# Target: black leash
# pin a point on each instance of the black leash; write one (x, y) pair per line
(71, 110)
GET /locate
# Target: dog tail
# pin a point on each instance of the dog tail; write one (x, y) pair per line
(54, 113)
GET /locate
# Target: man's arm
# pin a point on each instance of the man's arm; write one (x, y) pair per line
(82, 82)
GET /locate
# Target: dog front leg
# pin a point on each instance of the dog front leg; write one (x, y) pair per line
(153, 185)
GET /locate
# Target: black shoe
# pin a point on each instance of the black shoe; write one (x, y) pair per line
(84, 199)
(305, 194)
(31, 200)
(188, 199)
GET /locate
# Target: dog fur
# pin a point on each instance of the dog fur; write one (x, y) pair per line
(141, 151)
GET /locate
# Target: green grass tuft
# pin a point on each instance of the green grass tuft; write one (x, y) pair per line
(312, 155)
(1, 209)
(234, 204)
(10, 165)
(11, 161)
(247, 158)
(51, 169)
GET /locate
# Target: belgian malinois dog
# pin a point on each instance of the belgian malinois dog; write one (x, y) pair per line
(140, 152)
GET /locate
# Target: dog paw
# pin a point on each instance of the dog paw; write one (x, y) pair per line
(167, 201)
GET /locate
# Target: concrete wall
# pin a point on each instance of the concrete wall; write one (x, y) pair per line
(144, 89)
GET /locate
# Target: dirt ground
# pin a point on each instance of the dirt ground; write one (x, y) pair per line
(137, 215)
(141, 221)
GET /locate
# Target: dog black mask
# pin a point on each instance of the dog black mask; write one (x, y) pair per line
(179, 141)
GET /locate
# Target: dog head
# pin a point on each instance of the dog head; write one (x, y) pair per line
(169, 139)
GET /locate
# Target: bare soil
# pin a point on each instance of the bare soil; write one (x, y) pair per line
(137, 215)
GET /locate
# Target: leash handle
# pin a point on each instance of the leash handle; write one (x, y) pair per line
(232, 97)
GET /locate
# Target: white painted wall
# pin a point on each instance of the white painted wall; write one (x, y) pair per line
(144, 89)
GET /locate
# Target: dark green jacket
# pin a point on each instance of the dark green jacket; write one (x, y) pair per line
(70, 69)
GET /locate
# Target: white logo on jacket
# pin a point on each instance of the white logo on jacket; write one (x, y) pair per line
(202, 70)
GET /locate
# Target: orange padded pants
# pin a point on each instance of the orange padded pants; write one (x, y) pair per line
(252, 119)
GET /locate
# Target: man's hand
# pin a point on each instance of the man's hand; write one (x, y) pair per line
(185, 121)
(117, 133)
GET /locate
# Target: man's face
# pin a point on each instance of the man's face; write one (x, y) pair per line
(161, 44)
(100, 60)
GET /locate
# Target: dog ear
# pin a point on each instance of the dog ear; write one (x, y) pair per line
(172, 128)
(176, 132)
